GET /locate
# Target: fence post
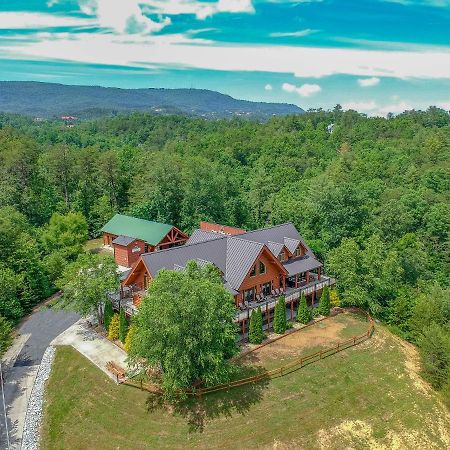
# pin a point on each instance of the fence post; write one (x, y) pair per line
(354, 340)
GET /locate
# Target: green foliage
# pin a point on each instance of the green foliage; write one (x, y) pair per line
(108, 313)
(434, 346)
(324, 302)
(5, 335)
(123, 326)
(185, 327)
(10, 306)
(334, 298)
(304, 314)
(255, 332)
(129, 338)
(113, 329)
(65, 234)
(279, 319)
(86, 282)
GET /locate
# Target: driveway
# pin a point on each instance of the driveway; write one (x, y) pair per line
(21, 362)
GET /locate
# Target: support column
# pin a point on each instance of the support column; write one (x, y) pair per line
(296, 280)
(307, 277)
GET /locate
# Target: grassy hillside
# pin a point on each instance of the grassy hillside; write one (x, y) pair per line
(49, 100)
(369, 395)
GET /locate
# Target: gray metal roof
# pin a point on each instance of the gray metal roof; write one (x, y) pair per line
(291, 244)
(275, 247)
(300, 265)
(123, 240)
(232, 255)
(202, 236)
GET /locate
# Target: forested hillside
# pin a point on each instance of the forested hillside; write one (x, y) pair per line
(54, 100)
(371, 198)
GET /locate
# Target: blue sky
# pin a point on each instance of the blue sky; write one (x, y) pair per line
(376, 56)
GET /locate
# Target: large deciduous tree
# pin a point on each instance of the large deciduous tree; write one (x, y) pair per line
(86, 283)
(185, 327)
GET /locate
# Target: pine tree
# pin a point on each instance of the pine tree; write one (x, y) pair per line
(107, 314)
(256, 334)
(123, 326)
(279, 320)
(304, 314)
(324, 303)
(129, 338)
(113, 330)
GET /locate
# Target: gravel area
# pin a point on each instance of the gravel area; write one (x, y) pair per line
(30, 439)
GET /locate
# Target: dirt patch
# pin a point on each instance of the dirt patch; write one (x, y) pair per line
(359, 434)
(324, 333)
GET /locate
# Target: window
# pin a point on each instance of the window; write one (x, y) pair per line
(266, 288)
(282, 256)
(253, 272)
(298, 251)
(262, 267)
(249, 295)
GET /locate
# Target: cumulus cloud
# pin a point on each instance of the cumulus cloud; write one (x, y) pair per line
(31, 20)
(364, 106)
(305, 90)
(301, 33)
(124, 17)
(268, 87)
(368, 82)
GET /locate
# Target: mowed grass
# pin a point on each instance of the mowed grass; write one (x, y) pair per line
(367, 396)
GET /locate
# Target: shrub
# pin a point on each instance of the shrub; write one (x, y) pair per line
(113, 330)
(279, 320)
(334, 298)
(123, 326)
(5, 334)
(324, 303)
(107, 314)
(256, 334)
(129, 338)
(434, 346)
(303, 312)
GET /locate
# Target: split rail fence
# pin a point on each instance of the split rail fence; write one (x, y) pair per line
(274, 373)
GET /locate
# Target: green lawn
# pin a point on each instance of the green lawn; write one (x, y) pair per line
(96, 246)
(369, 395)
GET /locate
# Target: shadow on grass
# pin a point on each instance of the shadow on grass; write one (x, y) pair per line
(197, 411)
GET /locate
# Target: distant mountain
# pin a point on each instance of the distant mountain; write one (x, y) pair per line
(49, 100)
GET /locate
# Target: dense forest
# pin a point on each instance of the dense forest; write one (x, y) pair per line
(370, 195)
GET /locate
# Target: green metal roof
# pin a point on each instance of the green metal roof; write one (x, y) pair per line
(146, 230)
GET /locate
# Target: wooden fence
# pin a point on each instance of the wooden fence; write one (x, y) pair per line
(274, 373)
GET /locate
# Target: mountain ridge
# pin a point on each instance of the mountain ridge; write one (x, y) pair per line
(49, 100)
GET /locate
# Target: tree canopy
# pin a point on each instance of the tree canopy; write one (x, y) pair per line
(185, 327)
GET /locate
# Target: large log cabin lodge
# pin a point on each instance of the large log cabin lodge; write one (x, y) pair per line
(256, 266)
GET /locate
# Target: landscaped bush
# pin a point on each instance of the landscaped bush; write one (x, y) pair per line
(113, 330)
(334, 298)
(303, 312)
(256, 334)
(129, 338)
(107, 314)
(324, 302)
(123, 326)
(279, 320)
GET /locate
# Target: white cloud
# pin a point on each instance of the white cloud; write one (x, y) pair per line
(268, 87)
(31, 20)
(444, 105)
(124, 17)
(305, 62)
(368, 82)
(305, 90)
(300, 33)
(395, 108)
(364, 106)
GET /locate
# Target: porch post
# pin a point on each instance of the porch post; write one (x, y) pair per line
(307, 277)
(296, 280)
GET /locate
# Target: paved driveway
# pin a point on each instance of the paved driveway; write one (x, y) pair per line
(21, 363)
